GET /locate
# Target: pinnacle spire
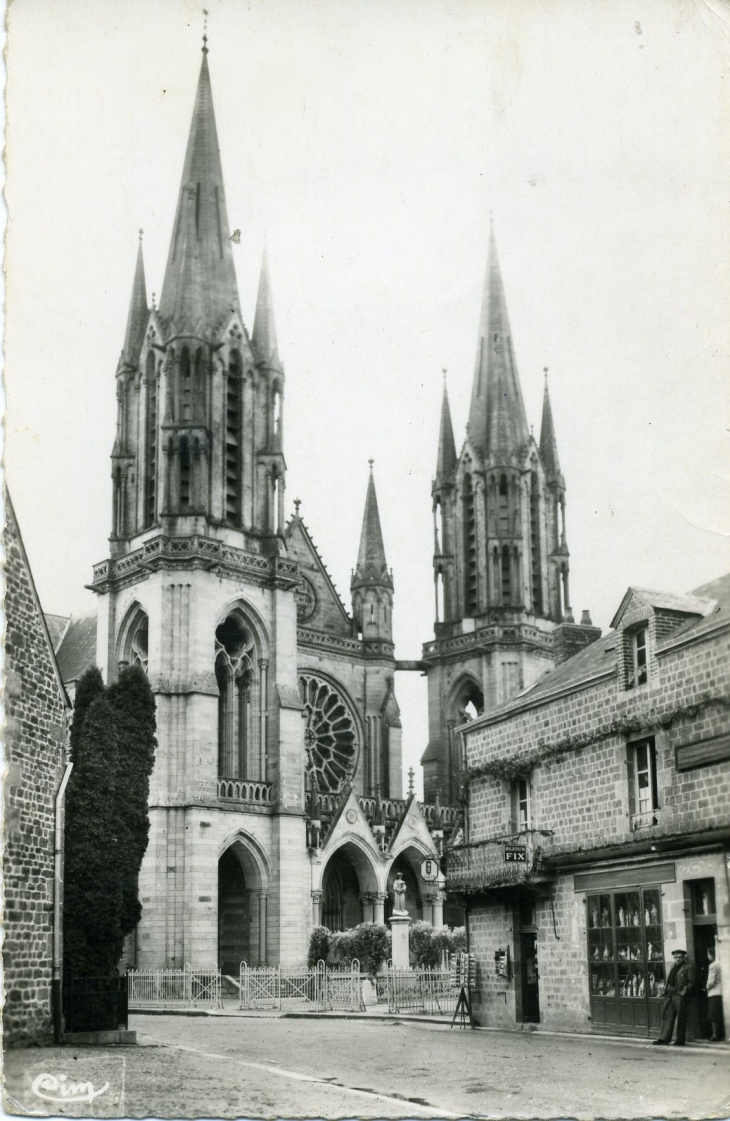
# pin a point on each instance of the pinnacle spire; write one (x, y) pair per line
(264, 327)
(497, 421)
(138, 313)
(548, 442)
(372, 566)
(446, 461)
(200, 279)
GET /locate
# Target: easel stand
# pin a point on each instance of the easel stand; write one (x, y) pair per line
(463, 1009)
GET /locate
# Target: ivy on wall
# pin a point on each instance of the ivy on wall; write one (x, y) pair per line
(520, 764)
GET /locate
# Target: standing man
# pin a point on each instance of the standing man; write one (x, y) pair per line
(681, 983)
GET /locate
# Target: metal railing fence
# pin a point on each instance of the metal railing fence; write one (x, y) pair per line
(174, 988)
(421, 989)
(314, 989)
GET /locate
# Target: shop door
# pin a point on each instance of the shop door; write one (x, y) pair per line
(626, 959)
(530, 981)
(704, 938)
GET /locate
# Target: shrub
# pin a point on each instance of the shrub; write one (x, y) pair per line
(428, 943)
(320, 943)
(369, 943)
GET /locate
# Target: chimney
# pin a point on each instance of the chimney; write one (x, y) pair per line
(570, 637)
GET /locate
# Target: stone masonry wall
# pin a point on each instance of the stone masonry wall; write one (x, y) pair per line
(583, 797)
(34, 747)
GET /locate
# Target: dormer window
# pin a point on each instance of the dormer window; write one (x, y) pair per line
(638, 663)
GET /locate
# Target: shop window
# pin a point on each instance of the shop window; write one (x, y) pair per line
(703, 901)
(626, 957)
(644, 802)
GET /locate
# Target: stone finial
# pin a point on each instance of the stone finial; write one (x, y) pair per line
(411, 777)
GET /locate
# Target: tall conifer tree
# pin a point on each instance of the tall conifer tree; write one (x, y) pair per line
(134, 707)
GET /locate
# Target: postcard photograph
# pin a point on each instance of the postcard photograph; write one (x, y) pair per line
(367, 559)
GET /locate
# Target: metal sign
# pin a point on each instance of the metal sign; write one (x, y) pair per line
(429, 870)
(515, 854)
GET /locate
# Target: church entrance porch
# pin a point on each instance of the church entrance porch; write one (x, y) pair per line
(233, 914)
(349, 890)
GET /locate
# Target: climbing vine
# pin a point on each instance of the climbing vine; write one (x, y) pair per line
(650, 720)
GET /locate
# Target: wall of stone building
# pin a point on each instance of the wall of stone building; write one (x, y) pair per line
(561, 924)
(34, 750)
(584, 796)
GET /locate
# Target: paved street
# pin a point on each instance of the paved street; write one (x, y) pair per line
(277, 1067)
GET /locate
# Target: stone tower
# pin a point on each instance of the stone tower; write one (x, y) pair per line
(275, 801)
(501, 559)
(199, 589)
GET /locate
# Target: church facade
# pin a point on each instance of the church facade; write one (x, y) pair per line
(276, 800)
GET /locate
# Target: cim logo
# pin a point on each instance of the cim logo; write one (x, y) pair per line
(58, 1089)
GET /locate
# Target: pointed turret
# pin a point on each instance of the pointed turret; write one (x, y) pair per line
(371, 564)
(548, 443)
(138, 314)
(497, 421)
(263, 338)
(200, 279)
(446, 461)
(372, 584)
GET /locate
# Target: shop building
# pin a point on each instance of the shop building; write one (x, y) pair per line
(598, 823)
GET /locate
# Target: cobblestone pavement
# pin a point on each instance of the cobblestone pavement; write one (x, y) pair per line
(277, 1067)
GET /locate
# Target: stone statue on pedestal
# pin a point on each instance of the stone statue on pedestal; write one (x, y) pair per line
(399, 895)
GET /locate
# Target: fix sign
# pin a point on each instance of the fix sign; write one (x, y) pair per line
(429, 870)
(515, 854)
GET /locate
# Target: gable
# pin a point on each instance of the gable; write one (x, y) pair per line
(319, 606)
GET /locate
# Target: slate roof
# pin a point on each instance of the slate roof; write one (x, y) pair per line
(600, 659)
(56, 626)
(78, 648)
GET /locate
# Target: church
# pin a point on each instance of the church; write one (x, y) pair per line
(277, 800)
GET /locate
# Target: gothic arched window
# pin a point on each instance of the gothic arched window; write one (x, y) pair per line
(151, 441)
(506, 577)
(238, 702)
(503, 507)
(233, 437)
(536, 572)
(470, 548)
(134, 640)
(186, 387)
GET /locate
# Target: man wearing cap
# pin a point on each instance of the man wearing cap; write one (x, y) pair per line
(680, 984)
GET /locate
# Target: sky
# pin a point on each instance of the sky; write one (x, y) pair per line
(369, 143)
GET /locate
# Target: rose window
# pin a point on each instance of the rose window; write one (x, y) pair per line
(330, 737)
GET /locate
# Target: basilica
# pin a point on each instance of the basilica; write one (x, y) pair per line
(277, 801)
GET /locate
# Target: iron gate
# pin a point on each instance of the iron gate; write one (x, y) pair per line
(317, 989)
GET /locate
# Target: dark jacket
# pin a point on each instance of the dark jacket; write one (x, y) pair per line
(682, 978)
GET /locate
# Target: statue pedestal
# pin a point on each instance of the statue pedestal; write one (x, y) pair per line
(400, 923)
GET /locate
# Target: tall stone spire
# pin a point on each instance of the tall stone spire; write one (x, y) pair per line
(264, 326)
(548, 443)
(497, 421)
(200, 287)
(446, 461)
(371, 562)
(138, 314)
(372, 584)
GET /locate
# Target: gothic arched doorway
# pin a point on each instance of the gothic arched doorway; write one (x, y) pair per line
(233, 914)
(347, 876)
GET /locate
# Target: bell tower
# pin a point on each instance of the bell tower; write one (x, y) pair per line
(199, 589)
(200, 404)
(500, 553)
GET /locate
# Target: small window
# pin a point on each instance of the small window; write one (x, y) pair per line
(642, 761)
(703, 901)
(638, 668)
(521, 810)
